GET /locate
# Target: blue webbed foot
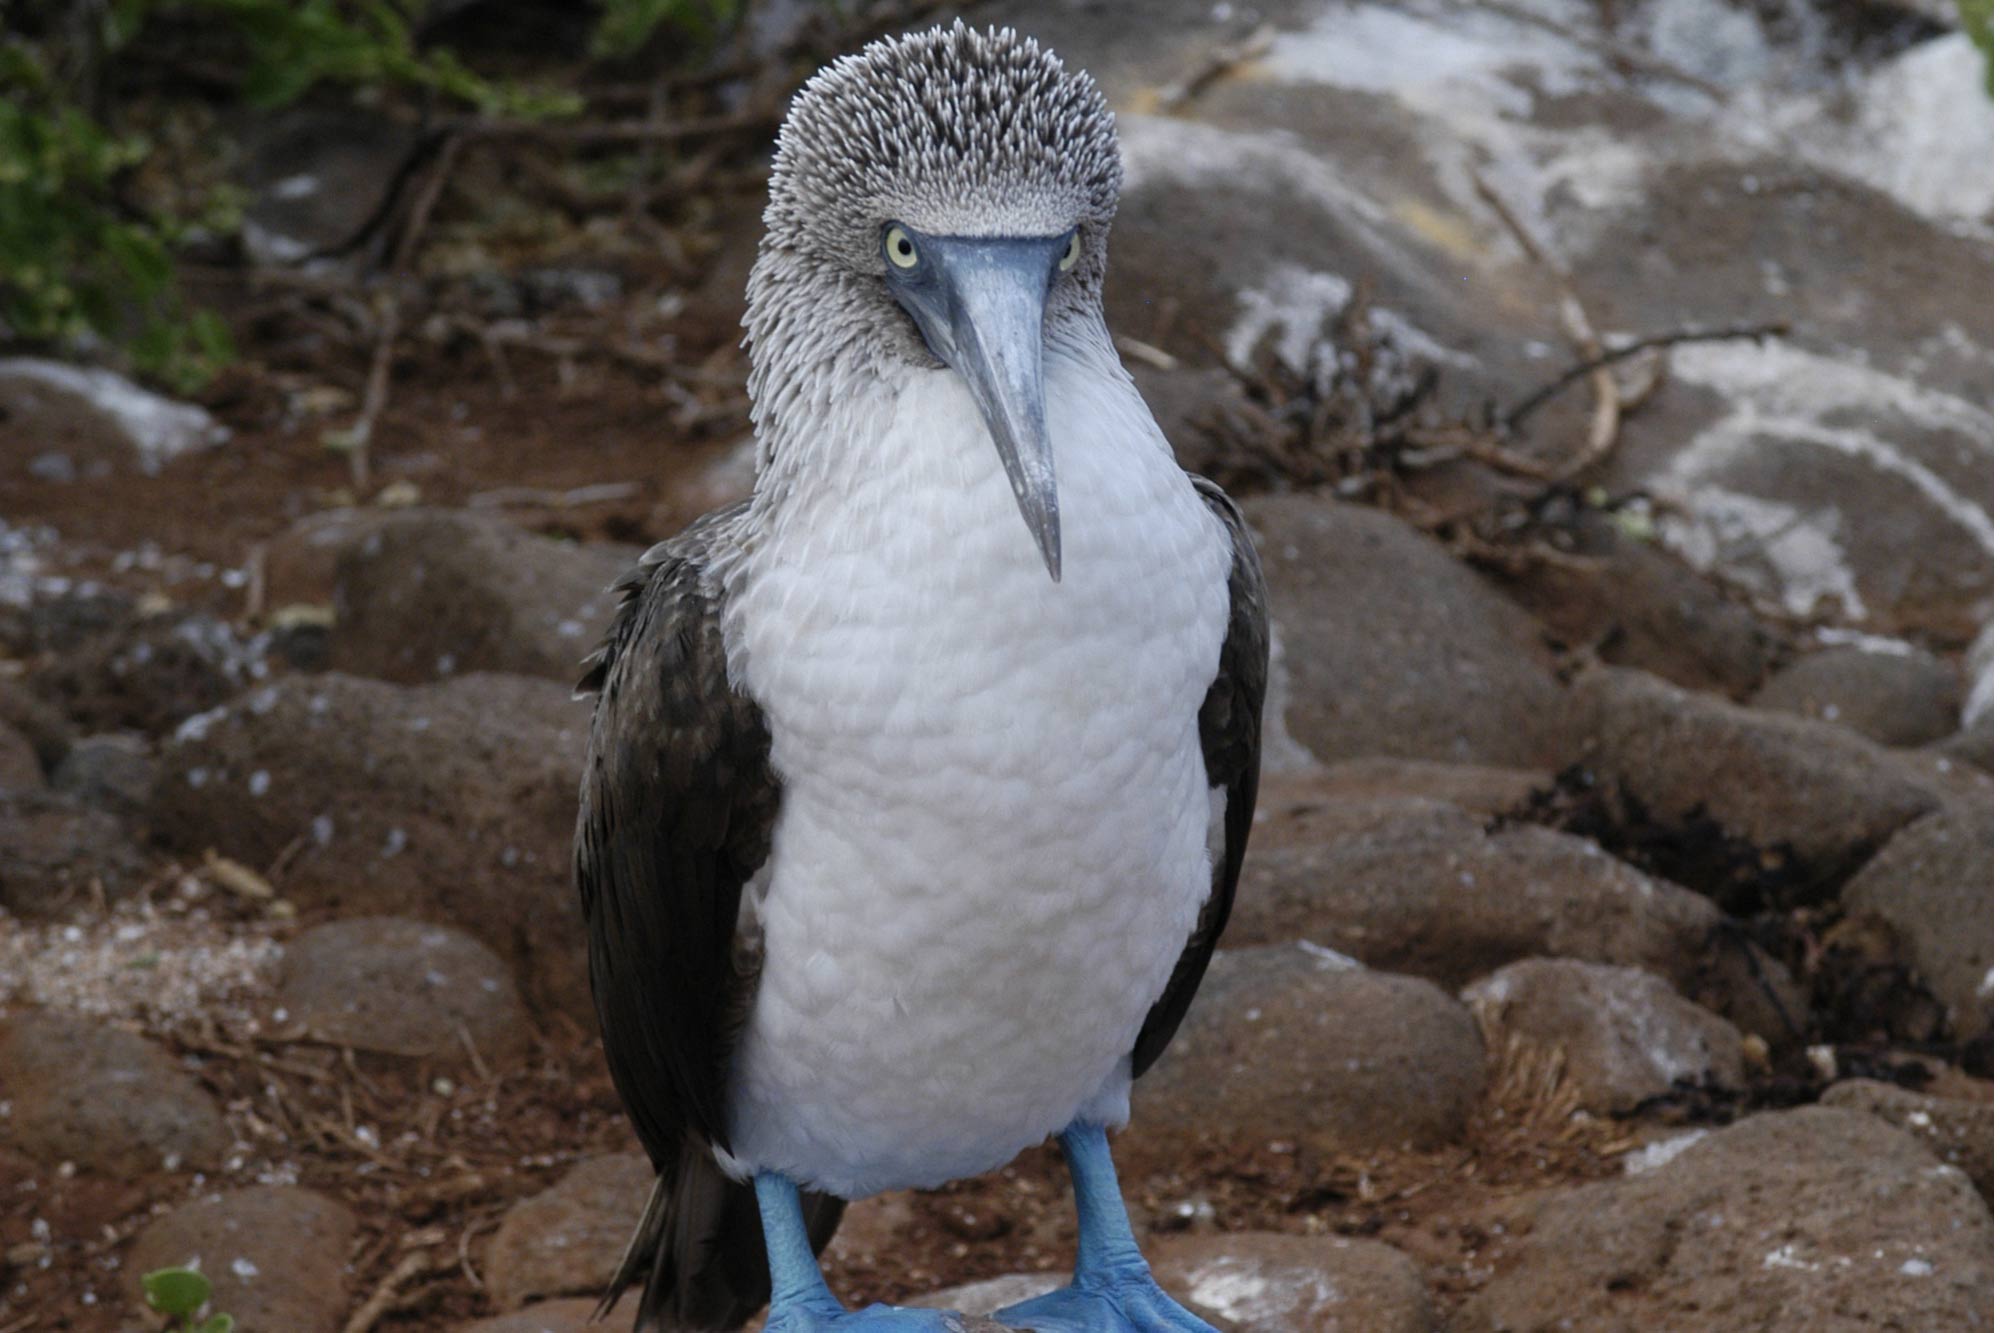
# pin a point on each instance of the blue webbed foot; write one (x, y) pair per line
(1126, 1301)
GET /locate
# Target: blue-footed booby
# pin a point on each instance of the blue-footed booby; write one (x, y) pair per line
(906, 835)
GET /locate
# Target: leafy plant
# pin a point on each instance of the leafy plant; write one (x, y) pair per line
(179, 1294)
(623, 26)
(1977, 15)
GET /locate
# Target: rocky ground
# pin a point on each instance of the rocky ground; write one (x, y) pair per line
(1615, 946)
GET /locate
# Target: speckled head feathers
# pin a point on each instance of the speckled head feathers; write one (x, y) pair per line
(953, 131)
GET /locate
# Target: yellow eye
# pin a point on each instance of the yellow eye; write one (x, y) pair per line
(1068, 261)
(902, 251)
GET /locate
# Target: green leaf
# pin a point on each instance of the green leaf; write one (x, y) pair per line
(217, 1323)
(175, 1291)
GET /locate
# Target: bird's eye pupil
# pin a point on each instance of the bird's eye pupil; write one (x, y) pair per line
(903, 246)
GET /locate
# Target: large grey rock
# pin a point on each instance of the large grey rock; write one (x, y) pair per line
(434, 593)
(567, 1239)
(453, 802)
(400, 987)
(1295, 1043)
(1801, 1220)
(1263, 1282)
(1621, 1036)
(1959, 1131)
(1392, 647)
(1906, 697)
(106, 1099)
(276, 1255)
(1933, 882)
(1819, 791)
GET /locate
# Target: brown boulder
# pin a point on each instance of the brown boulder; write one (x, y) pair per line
(1262, 1282)
(1295, 1043)
(1416, 885)
(1825, 794)
(569, 1316)
(1805, 1220)
(431, 594)
(566, 1240)
(453, 802)
(106, 1099)
(1391, 647)
(399, 987)
(56, 854)
(1960, 1132)
(276, 1255)
(1623, 1036)
(1933, 882)
(1906, 697)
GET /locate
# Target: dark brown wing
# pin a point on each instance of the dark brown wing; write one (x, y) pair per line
(677, 808)
(1231, 745)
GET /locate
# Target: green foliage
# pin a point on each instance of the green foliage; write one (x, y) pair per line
(1977, 15)
(72, 263)
(77, 264)
(179, 1293)
(624, 26)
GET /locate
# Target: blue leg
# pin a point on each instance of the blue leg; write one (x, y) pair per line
(1113, 1291)
(801, 1302)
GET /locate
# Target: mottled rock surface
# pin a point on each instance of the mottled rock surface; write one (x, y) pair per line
(400, 987)
(114, 773)
(453, 802)
(106, 1099)
(1371, 668)
(275, 1254)
(20, 766)
(566, 1240)
(1904, 697)
(1933, 882)
(1622, 1035)
(1798, 1220)
(434, 593)
(1297, 1044)
(1960, 1132)
(57, 855)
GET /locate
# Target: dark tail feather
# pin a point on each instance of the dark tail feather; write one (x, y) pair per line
(700, 1247)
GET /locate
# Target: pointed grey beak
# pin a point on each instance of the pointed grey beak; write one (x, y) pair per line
(979, 305)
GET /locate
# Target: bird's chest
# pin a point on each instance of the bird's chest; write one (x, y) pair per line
(992, 841)
(913, 656)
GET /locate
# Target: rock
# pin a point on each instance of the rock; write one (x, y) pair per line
(567, 1239)
(1295, 1043)
(149, 674)
(1933, 882)
(1457, 673)
(1959, 1132)
(1906, 697)
(1271, 1283)
(1808, 1219)
(400, 987)
(80, 410)
(38, 721)
(55, 855)
(315, 176)
(276, 1255)
(106, 1099)
(1479, 788)
(572, 1316)
(1415, 885)
(114, 773)
(1819, 791)
(1634, 604)
(431, 594)
(453, 803)
(993, 1293)
(20, 766)
(1623, 1036)
(301, 563)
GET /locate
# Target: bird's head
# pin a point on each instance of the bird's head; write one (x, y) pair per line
(946, 197)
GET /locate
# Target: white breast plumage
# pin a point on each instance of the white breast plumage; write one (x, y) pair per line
(948, 984)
